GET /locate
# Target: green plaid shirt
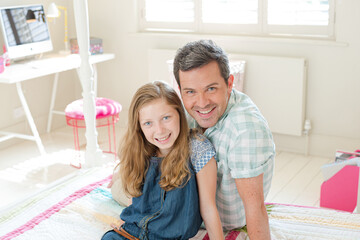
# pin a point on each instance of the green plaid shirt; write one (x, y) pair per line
(244, 149)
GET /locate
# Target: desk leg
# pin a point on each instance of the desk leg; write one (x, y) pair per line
(30, 119)
(52, 102)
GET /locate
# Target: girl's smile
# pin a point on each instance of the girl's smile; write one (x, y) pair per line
(164, 139)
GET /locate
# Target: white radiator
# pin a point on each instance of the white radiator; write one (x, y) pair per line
(276, 84)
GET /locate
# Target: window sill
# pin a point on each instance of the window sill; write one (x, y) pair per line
(245, 38)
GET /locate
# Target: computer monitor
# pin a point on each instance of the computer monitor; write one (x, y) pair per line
(25, 30)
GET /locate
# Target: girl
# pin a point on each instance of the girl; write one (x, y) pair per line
(158, 162)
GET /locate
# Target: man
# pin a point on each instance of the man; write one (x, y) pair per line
(244, 145)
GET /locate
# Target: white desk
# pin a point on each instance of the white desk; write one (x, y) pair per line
(26, 70)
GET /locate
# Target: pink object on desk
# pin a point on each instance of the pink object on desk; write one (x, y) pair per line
(2, 65)
(340, 191)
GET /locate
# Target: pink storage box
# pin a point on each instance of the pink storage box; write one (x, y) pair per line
(341, 190)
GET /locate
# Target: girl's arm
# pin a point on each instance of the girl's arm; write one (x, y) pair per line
(120, 222)
(206, 180)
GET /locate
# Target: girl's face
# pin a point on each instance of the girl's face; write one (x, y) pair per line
(160, 124)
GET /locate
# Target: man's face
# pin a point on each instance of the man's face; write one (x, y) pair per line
(205, 94)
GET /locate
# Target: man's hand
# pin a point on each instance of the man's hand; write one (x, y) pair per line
(115, 176)
(252, 195)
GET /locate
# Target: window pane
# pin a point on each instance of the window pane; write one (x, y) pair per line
(169, 10)
(230, 11)
(298, 12)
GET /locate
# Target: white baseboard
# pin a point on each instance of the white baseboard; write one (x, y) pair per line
(319, 145)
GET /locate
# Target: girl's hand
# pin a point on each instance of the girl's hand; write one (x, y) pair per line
(117, 224)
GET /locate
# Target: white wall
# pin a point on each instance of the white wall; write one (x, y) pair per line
(37, 91)
(333, 69)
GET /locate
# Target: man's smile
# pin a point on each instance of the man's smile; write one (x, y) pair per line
(205, 113)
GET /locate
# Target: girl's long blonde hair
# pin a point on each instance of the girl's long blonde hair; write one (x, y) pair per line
(135, 151)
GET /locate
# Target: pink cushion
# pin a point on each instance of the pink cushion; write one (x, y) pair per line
(104, 108)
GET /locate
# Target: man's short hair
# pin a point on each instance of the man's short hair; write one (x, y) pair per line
(199, 53)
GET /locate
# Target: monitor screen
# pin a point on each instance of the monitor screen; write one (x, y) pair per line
(25, 30)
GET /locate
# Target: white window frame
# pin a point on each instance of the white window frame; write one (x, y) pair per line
(261, 29)
(145, 26)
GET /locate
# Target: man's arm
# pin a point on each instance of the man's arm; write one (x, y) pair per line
(252, 195)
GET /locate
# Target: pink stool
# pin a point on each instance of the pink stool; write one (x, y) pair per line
(107, 113)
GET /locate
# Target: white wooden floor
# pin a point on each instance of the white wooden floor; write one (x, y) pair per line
(297, 178)
(23, 171)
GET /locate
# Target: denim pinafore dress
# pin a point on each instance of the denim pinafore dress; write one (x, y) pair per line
(175, 214)
(159, 214)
